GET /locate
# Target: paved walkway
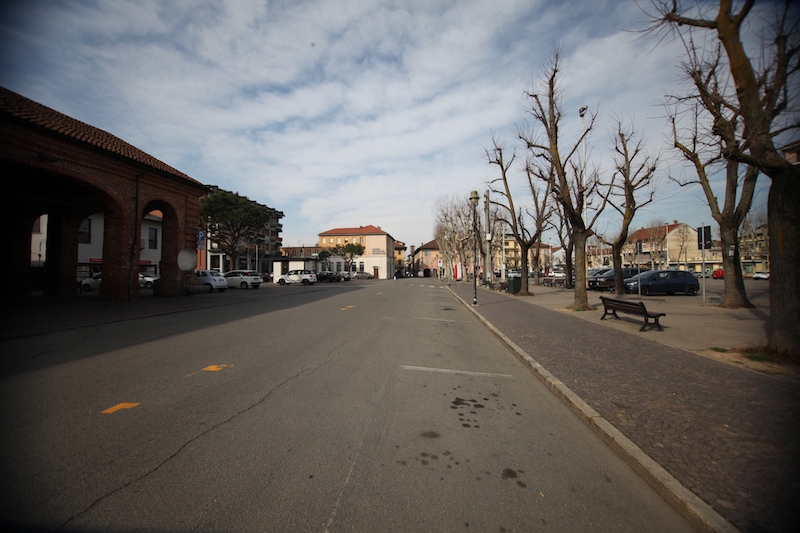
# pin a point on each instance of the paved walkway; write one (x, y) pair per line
(727, 434)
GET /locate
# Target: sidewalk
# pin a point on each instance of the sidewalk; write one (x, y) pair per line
(725, 433)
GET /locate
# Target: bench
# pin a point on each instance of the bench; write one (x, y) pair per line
(551, 281)
(611, 306)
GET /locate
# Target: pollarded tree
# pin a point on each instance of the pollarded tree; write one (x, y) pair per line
(762, 98)
(632, 187)
(515, 218)
(572, 185)
(453, 230)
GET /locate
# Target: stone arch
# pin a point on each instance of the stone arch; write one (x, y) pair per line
(55, 164)
(173, 240)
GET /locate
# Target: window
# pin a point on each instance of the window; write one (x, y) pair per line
(152, 240)
(338, 240)
(85, 231)
(361, 240)
(338, 266)
(361, 267)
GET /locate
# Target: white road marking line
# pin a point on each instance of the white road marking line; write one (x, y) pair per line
(435, 319)
(450, 371)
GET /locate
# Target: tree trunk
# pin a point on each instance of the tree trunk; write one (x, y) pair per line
(581, 298)
(568, 255)
(619, 283)
(523, 291)
(735, 294)
(784, 257)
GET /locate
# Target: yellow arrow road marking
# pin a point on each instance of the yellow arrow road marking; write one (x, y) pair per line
(216, 368)
(209, 368)
(118, 407)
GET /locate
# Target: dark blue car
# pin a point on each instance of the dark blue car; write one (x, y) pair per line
(663, 281)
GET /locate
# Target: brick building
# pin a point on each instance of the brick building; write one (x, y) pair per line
(56, 165)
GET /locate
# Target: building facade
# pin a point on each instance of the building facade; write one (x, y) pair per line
(428, 261)
(56, 165)
(379, 250)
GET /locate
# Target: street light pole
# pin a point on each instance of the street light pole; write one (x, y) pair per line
(582, 112)
(473, 198)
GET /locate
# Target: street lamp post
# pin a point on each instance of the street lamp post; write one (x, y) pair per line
(473, 198)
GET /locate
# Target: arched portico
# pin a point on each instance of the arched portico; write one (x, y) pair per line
(57, 165)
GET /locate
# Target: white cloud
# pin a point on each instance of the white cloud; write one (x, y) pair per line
(339, 113)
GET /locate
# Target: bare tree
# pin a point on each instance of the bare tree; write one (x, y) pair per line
(656, 238)
(514, 217)
(453, 230)
(542, 209)
(572, 185)
(762, 100)
(712, 148)
(632, 187)
(683, 236)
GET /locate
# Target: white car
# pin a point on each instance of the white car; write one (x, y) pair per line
(362, 275)
(306, 277)
(243, 279)
(761, 275)
(211, 279)
(93, 283)
(147, 280)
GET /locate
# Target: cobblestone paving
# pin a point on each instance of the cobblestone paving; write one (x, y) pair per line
(727, 434)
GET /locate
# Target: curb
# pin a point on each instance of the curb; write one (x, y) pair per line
(697, 512)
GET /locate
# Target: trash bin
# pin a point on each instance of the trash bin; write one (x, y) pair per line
(514, 285)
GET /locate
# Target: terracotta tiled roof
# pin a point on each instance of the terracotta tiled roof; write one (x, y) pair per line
(17, 106)
(430, 245)
(361, 230)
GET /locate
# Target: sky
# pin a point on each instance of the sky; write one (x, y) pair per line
(346, 113)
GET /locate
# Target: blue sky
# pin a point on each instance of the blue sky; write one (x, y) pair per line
(343, 113)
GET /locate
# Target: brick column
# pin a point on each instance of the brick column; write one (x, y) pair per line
(117, 265)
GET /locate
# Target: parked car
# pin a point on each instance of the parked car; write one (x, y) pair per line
(93, 283)
(663, 281)
(718, 274)
(306, 277)
(604, 281)
(345, 276)
(328, 277)
(362, 275)
(761, 275)
(212, 279)
(558, 273)
(147, 280)
(243, 279)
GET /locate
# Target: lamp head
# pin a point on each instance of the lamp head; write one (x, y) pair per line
(583, 110)
(473, 197)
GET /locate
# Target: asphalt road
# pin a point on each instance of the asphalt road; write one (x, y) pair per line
(362, 406)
